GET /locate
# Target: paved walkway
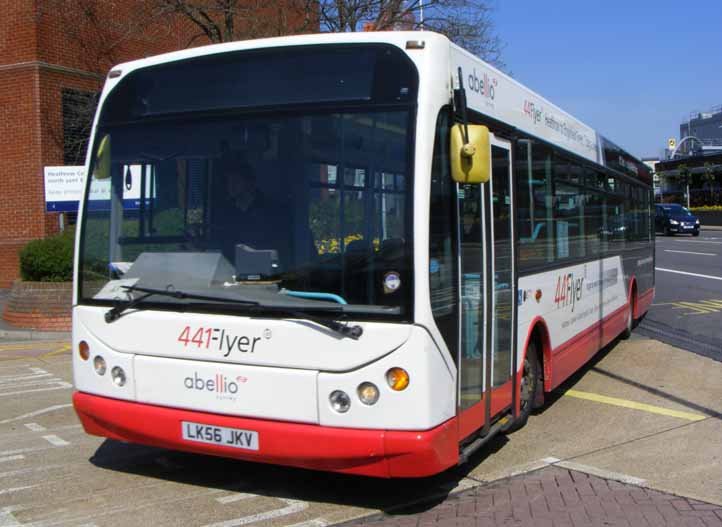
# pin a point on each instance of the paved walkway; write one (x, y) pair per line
(554, 497)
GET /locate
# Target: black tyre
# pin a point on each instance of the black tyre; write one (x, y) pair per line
(695, 233)
(630, 323)
(531, 387)
(667, 232)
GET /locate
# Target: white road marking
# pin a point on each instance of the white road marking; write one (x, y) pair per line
(238, 496)
(22, 451)
(6, 517)
(690, 274)
(36, 412)
(316, 522)
(35, 427)
(29, 470)
(28, 383)
(15, 489)
(28, 376)
(292, 507)
(63, 386)
(11, 458)
(689, 252)
(697, 241)
(55, 440)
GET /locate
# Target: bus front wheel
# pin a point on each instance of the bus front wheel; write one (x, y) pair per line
(530, 386)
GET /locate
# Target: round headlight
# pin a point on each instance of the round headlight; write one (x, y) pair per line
(83, 350)
(340, 401)
(118, 375)
(99, 365)
(368, 393)
(398, 379)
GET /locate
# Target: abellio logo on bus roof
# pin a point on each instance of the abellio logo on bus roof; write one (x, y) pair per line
(484, 85)
(222, 386)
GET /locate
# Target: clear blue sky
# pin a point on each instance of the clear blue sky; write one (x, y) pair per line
(633, 69)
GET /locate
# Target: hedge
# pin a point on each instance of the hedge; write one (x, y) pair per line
(49, 259)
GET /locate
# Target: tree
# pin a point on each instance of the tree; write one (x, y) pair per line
(216, 21)
(466, 22)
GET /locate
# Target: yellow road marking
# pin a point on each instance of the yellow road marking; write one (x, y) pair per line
(29, 345)
(701, 307)
(634, 405)
(58, 351)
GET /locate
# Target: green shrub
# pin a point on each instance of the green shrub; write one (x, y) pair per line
(48, 260)
(706, 207)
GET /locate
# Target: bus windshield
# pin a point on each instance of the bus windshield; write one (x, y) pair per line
(311, 205)
(278, 175)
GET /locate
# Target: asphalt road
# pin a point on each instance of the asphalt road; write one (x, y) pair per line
(687, 309)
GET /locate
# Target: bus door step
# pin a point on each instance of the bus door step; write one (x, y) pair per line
(500, 425)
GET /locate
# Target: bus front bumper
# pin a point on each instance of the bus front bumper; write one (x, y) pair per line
(379, 453)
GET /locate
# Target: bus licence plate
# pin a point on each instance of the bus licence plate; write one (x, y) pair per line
(220, 435)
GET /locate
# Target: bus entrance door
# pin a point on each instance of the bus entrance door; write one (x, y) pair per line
(487, 299)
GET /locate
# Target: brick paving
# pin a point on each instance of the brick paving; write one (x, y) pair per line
(554, 497)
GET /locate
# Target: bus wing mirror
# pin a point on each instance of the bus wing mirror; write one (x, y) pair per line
(470, 161)
(101, 169)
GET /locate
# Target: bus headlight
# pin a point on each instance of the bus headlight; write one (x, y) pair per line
(368, 393)
(398, 379)
(118, 375)
(99, 365)
(340, 401)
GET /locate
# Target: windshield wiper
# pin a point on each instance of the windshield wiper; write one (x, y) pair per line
(353, 332)
(114, 314)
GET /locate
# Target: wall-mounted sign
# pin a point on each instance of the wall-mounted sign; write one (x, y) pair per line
(63, 188)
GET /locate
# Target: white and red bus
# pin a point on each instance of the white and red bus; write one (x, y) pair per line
(365, 253)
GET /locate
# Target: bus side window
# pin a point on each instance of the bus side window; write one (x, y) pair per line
(535, 204)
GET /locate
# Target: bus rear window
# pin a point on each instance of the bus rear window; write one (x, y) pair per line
(268, 77)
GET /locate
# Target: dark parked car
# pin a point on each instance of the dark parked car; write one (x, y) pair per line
(672, 218)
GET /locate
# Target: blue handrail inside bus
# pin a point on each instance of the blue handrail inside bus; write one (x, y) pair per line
(314, 296)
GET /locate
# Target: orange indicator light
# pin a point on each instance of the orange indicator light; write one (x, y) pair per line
(84, 350)
(397, 378)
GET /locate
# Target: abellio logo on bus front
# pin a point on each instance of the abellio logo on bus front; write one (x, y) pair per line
(483, 85)
(222, 386)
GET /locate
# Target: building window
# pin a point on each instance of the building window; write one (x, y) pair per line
(78, 111)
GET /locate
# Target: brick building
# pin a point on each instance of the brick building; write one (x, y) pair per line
(54, 55)
(53, 59)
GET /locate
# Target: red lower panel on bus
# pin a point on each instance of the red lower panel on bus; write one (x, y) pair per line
(644, 302)
(473, 418)
(377, 453)
(574, 353)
